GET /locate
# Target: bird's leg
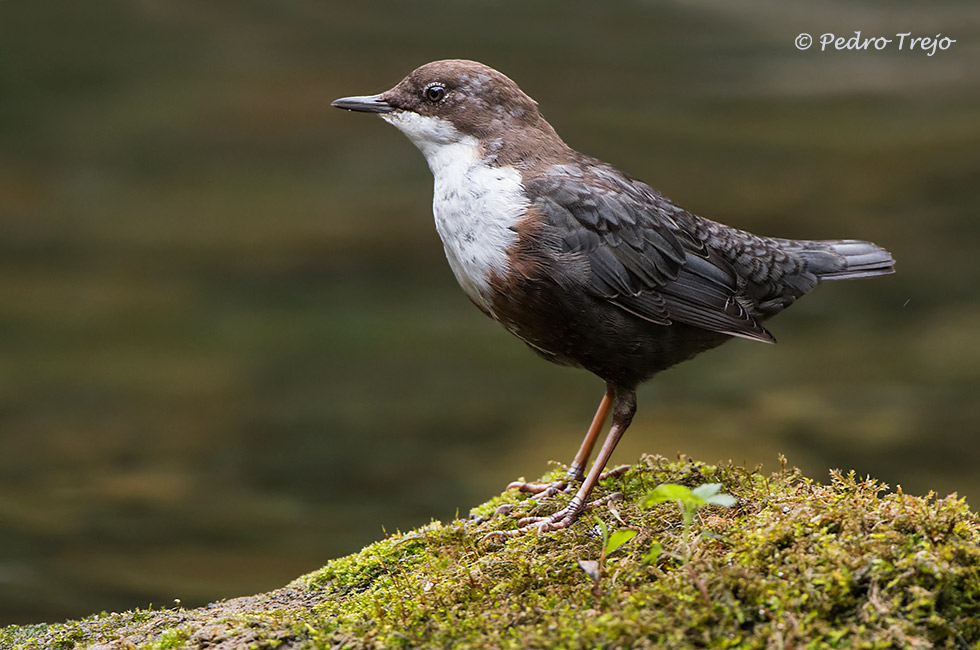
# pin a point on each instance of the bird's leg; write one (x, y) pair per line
(575, 472)
(623, 408)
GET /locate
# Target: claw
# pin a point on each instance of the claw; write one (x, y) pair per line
(567, 515)
(550, 491)
(615, 472)
(500, 536)
(561, 519)
(540, 490)
(609, 498)
(548, 526)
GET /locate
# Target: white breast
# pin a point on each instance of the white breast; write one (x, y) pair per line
(475, 205)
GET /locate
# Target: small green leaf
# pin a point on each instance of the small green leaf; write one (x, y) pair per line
(655, 550)
(711, 493)
(707, 490)
(618, 538)
(671, 492)
(723, 500)
(604, 530)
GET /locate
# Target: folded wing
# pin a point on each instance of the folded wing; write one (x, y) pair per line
(634, 249)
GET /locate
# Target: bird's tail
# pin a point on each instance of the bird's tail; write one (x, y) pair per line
(846, 259)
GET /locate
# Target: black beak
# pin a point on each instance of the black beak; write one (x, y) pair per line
(364, 104)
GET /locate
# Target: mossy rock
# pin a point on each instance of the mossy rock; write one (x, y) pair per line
(795, 563)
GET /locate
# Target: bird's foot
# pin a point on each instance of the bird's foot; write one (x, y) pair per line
(574, 475)
(540, 490)
(567, 515)
(561, 519)
(615, 472)
(537, 490)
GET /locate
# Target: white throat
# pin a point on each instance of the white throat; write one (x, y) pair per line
(476, 206)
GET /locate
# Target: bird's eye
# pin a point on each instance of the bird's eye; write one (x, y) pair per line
(435, 93)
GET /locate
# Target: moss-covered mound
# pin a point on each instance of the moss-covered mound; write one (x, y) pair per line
(793, 563)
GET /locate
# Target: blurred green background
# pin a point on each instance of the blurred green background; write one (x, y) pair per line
(231, 348)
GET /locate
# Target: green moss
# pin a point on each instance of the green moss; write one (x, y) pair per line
(170, 639)
(846, 564)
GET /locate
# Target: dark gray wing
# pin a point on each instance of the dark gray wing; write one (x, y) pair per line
(637, 252)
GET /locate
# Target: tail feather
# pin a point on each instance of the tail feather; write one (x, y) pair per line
(848, 259)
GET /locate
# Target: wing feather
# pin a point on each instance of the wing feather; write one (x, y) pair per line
(638, 253)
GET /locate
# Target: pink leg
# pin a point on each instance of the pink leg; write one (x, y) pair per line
(576, 469)
(623, 408)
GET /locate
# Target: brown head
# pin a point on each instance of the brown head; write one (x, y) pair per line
(458, 99)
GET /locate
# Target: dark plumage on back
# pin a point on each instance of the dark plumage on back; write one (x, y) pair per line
(657, 261)
(638, 253)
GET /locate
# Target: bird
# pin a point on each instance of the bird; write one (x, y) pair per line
(587, 265)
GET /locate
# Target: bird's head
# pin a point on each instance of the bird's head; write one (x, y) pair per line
(451, 101)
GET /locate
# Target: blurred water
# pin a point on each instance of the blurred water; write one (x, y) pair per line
(230, 347)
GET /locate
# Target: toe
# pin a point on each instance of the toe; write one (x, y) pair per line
(538, 488)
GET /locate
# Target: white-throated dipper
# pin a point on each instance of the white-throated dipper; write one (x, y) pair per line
(588, 266)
